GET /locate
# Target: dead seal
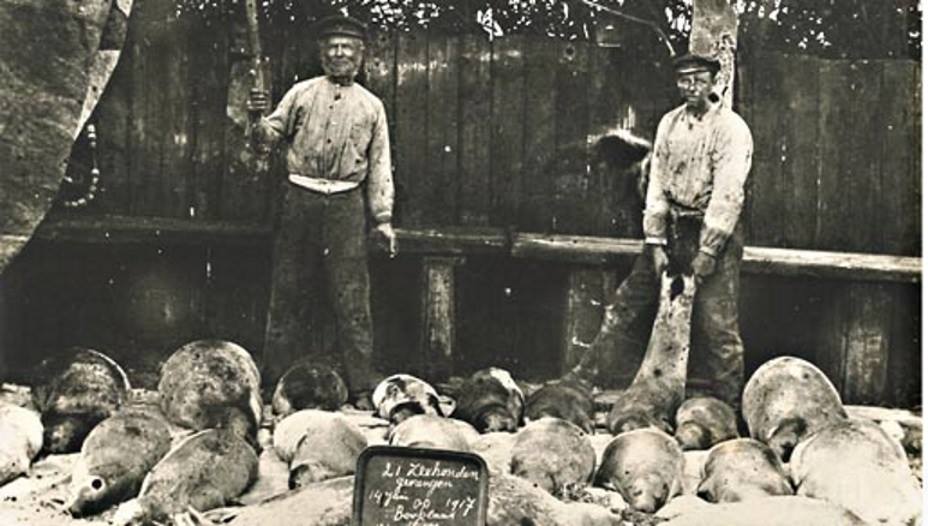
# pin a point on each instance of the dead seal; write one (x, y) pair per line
(659, 386)
(490, 401)
(645, 466)
(704, 421)
(212, 384)
(769, 511)
(309, 385)
(21, 431)
(786, 400)
(433, 431)
(400, 396)
(742, 469)
(204, 471)
(569, 398)
(318, 445)
(84, 387)
(115, 458)
(855, 464)
(555, 455)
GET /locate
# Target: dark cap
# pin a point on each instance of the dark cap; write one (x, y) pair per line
(692, 63)
(341, 25)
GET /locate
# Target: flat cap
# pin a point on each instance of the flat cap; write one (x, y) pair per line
(691, 63)
(341, 25)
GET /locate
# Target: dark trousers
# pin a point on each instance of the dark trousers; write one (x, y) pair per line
(322, 239)
(716, 364)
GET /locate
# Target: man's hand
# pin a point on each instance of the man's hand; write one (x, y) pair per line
(258, 101)
(703, 267)
(388, 236)
(659, 259)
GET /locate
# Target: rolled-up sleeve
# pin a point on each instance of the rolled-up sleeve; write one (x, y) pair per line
(656, 204)
(380, 176)
(732, 162)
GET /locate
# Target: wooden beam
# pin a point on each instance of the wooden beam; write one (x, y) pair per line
(452, 241)
(138, 229)
(438, 316)
(757, 260)
(459, 241)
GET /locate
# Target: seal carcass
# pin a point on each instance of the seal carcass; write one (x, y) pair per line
(569, 398)
(433, 431)
(400, 396)
(856, 465)
(204, 471)
(554, 454)
(83, 388)
(645, 466)
(212, 384)
(309, 386)
(115, 457)
(318, 445)
(21, 432)
(742, 469)
(703, 422)
(490, 401)
(659, 386)
(786, 400)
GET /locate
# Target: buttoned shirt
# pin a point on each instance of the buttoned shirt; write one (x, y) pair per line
(337, 138)
(699, 167)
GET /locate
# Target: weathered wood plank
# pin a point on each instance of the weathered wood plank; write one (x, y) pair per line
(572, 109)
(508, 72)
(208, 45)
(799, 164)
(141, 131)
(867, 339)
(415, 180)
(112, 122)
(442, 147)
(586, 291)
(899, 157)
(769, 148)
(474, 147)
(835, 210)
(176, 106)
(860, 160)
(535, 212)
(437, 340)
(760, 260)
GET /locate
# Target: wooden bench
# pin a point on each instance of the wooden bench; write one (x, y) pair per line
(857, 326)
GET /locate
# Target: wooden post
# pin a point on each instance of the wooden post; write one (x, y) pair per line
(855, 337)
(436, 341)
(586, 293)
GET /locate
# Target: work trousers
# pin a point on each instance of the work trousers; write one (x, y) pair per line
(322, 238)
(716, 363)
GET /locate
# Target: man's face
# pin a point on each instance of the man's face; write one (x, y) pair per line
(695, 87)
(341, 55)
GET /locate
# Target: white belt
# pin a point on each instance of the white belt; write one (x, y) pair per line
(323, 186)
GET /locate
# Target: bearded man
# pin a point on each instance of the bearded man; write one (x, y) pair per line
(338, 159)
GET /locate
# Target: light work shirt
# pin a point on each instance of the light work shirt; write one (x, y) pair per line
(337, 138)
(699, 166)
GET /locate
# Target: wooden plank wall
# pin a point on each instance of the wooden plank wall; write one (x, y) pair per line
(485, 133)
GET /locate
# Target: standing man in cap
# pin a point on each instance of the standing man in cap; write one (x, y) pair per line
(338, 159)
(699, 166)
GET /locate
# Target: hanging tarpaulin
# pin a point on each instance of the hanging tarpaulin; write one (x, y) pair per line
(715, 33)
(56, 57)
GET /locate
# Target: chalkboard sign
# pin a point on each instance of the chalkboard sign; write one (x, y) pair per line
(415, 486)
